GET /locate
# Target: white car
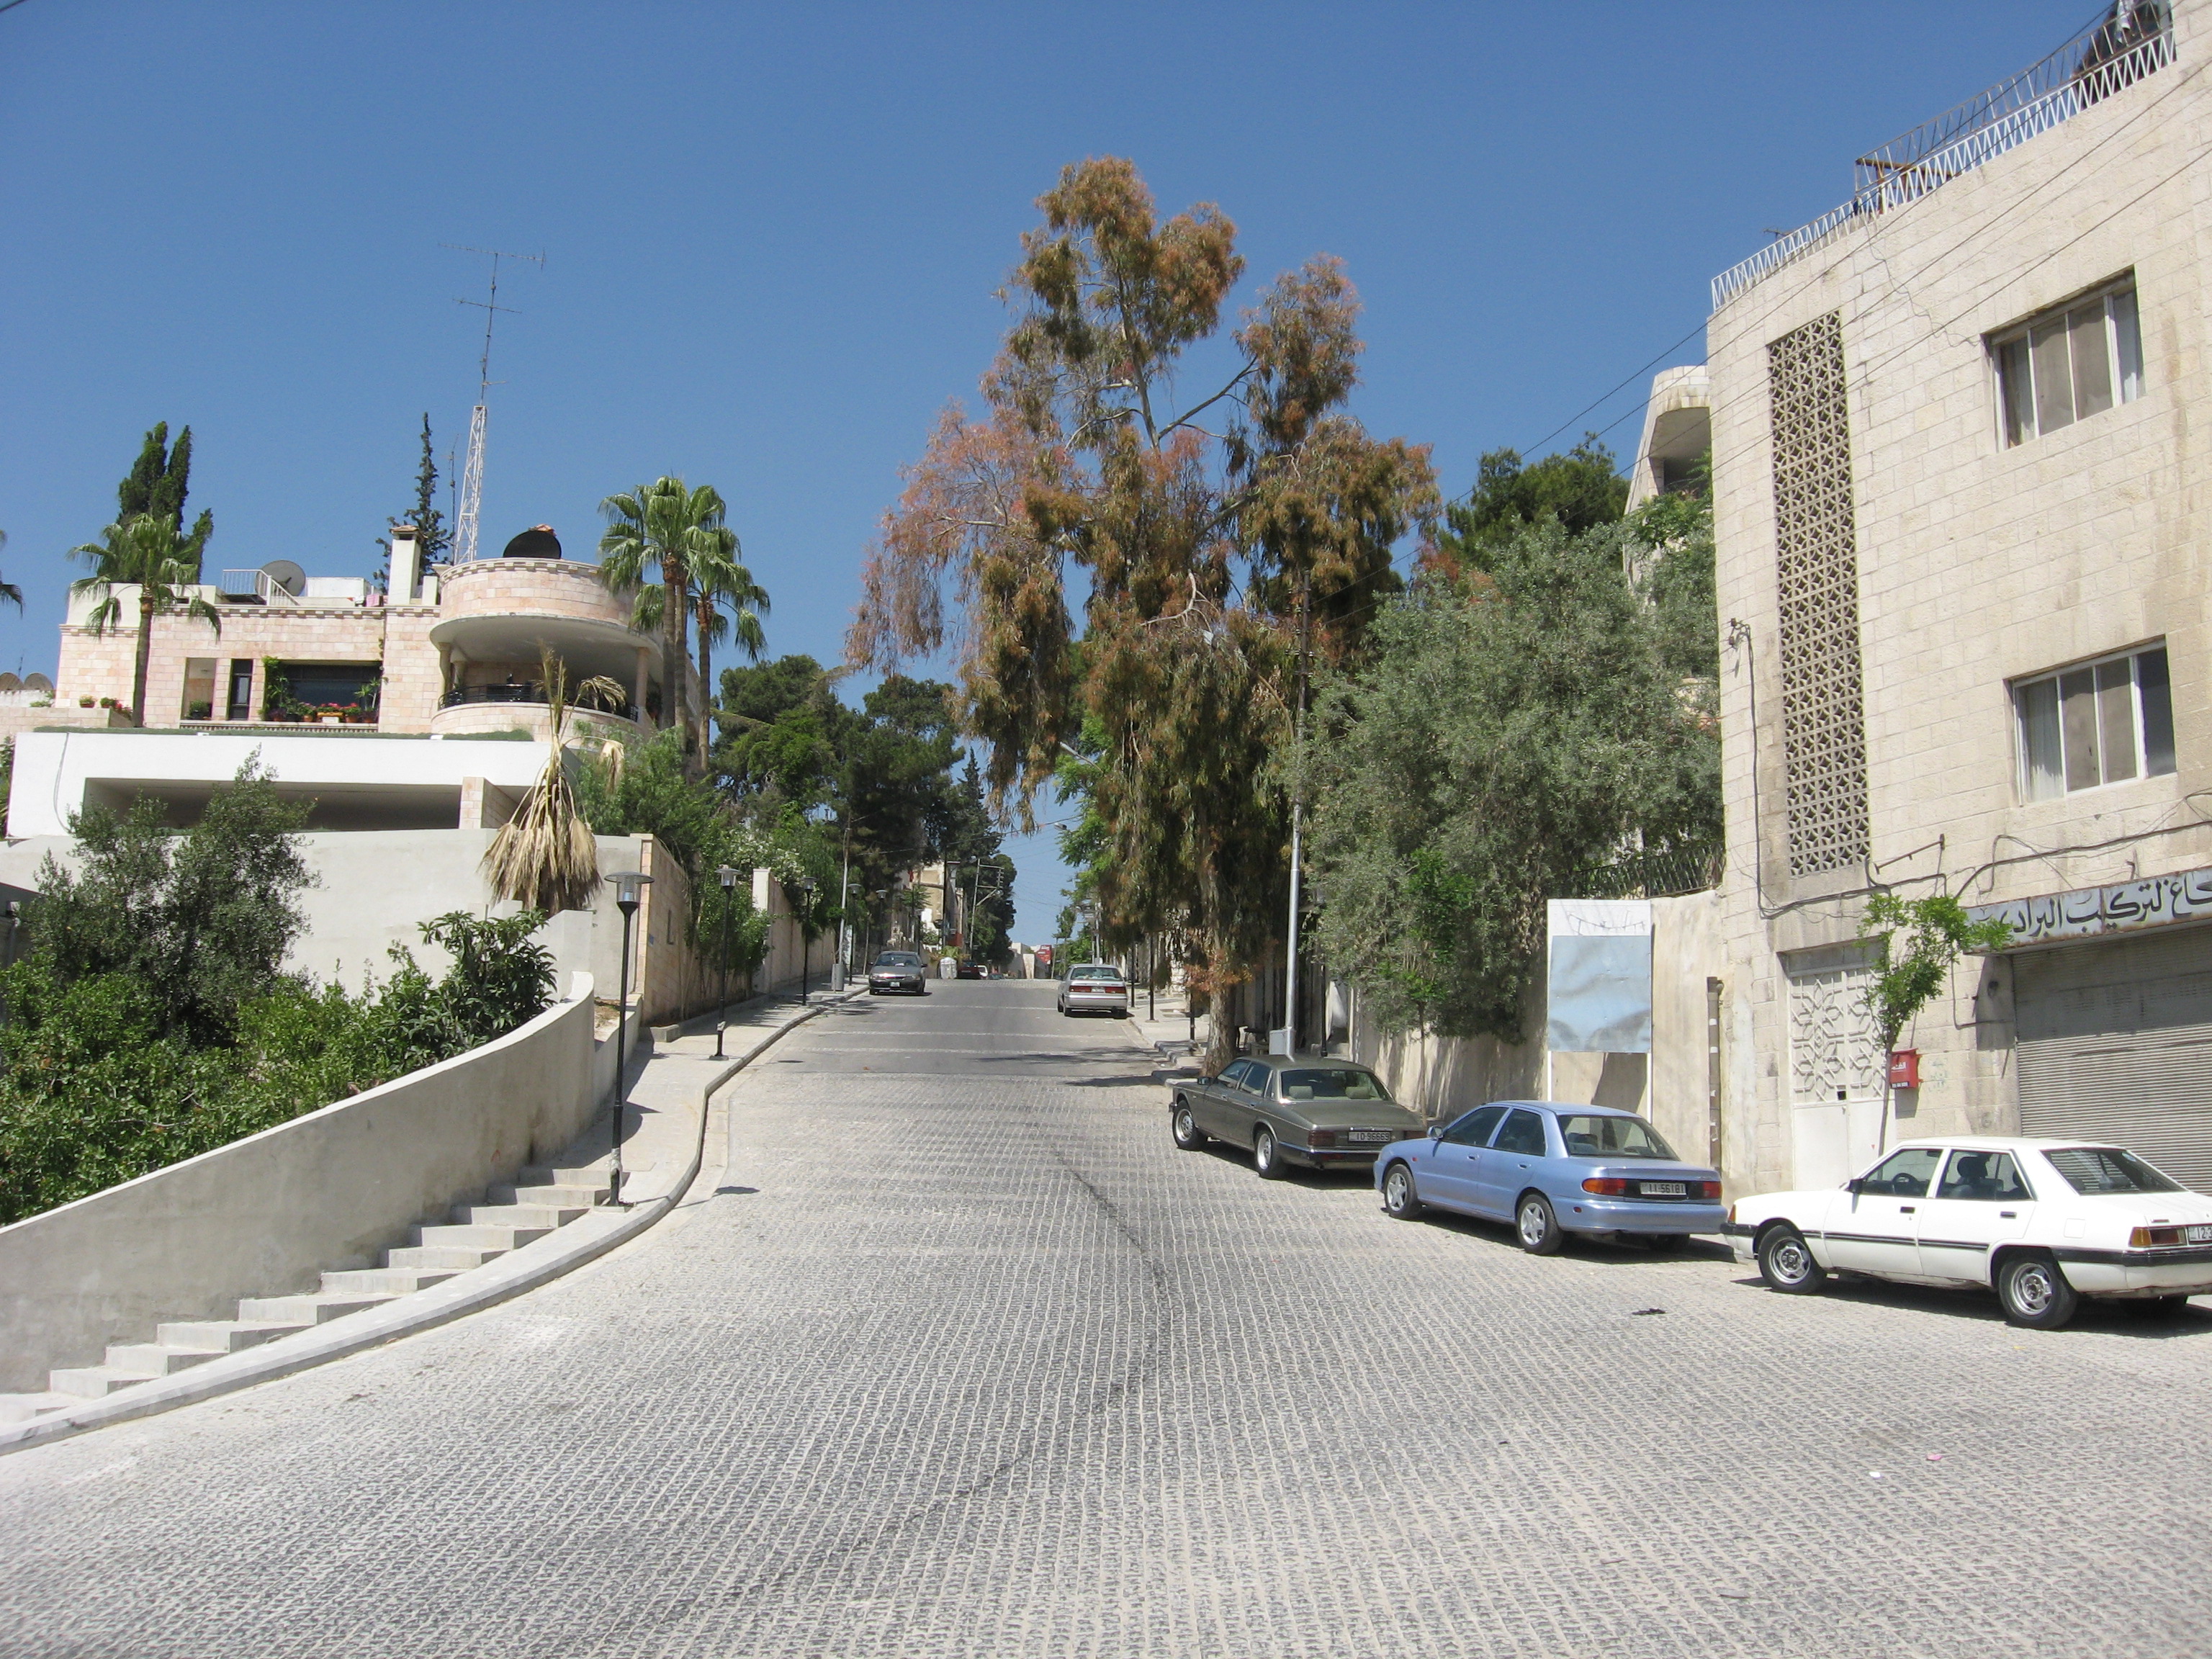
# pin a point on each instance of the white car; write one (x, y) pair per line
(1095, 987)
(2045, 1223)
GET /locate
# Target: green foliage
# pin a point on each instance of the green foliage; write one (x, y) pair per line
(431, 544)
(1577, 491)
(1674, 550)
(1937, 932)
(150, 1018)
(155, 488)
(1510, 731)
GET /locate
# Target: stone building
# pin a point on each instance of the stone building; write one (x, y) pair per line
(1962, 525)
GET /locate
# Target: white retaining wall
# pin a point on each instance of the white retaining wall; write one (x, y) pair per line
(264, 1216)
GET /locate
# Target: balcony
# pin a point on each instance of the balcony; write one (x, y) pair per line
(2103, 59)
(463, 696)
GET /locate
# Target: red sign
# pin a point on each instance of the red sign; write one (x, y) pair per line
(1904, 1069)
(1044, 955)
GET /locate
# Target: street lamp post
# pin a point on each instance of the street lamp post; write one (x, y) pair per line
(629, 886)
(728, 877)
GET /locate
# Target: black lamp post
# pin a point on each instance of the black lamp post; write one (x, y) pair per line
(805, 945)
(728, 877)
(629, 888)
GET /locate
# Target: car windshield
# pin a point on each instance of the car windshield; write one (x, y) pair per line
(1333, 1083)
(1095, 972)
(2091, 1170)
(898, 959)
(1589, 1135)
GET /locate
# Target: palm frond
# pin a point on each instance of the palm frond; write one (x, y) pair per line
(546, 857)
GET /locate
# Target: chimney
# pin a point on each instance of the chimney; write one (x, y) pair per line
(406, 568)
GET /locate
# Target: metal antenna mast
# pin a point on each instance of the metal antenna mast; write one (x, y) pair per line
(465, 527)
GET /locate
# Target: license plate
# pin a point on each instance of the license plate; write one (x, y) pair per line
(2198, 1235)
(1372, 1136)
(1661, 1188)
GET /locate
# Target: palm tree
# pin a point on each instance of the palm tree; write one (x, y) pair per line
(145, 551)
(720, 579)
(659, 525)
(545, 857)
(10, 593)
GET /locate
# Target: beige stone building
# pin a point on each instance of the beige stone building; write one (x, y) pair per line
(1964, 554)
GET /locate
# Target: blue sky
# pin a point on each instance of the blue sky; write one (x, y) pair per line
(773, 235)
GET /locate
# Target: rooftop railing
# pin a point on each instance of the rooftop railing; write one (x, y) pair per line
(2130, 39)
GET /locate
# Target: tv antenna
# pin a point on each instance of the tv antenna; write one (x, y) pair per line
(465, 527)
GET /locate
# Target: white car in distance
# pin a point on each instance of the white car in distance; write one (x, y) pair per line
(2042, 1223)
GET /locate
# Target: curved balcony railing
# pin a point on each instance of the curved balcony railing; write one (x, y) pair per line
(461, 695)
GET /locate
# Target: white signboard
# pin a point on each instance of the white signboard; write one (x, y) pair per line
(2154, 902)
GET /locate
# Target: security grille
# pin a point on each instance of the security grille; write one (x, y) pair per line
(1835, 1050)
(1823, 705)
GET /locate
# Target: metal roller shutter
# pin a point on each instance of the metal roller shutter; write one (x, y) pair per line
(2116, 1045)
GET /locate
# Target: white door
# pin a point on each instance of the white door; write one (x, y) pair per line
(1835, 1067)
(1876, 1230)
(1979, 1202)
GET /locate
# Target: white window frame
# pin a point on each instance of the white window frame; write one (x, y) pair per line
(2023, 780)
(2126, 387)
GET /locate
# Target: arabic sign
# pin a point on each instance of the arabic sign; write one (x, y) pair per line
(2154, 902)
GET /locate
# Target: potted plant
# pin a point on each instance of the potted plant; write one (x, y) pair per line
(200, 711)
(84, 702)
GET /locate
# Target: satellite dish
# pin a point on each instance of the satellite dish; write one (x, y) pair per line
(287, 575)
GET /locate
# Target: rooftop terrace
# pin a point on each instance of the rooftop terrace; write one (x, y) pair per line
(2129, 39)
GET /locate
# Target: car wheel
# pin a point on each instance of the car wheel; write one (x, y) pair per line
(1266, 1155)
(1786, 1263)
(1187, 1132)
(1658, 1244)
(1400, 1201)
(1538, 1226)
(2034, 1293)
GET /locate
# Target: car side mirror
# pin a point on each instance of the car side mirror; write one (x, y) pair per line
(1855, 1185)
(1436, 1132)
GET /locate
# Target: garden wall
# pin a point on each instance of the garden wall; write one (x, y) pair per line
(264, 1216)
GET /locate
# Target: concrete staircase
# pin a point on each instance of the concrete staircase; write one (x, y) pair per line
(542, 1198)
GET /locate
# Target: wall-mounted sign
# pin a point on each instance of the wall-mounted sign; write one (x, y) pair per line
(2154, 902)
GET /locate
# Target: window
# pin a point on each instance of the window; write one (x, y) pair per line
(2101, 722)
(2070, 362)
(2091, 1170)
(1593, 1136)
(1989, 1175)
(1239, 1075)
(1333, 1083)
(1904, 1173)
(1473, 1129)
(1524, 1134)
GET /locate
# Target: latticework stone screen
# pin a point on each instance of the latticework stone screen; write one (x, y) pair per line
(1823, 705)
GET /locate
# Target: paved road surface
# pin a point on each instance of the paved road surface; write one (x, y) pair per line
(965, 1359)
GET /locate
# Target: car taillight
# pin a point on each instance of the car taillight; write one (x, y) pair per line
(2147, 1238)
(1606, 1186)
(1702, 1188)
(1321, 1138)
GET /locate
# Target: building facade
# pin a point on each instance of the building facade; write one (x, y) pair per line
(1962, 517)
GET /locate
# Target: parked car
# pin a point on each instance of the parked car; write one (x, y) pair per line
(899, 971)
(1554, 1169)
(1095, 987)
(2042, 1223)
(967, 969)
(1323, 1113)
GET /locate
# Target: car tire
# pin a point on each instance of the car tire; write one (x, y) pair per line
(1660, 1243)
(2034, 1293)
(1786, 1262)
(1184, 1127)
(1537, 1225)
(1267, 1155)
(1400, 1201)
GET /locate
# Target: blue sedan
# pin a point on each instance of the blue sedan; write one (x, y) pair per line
(1552, 1169)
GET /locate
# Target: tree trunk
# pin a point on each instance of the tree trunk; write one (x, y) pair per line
(706, 682)
(145, 657)
(676, 662)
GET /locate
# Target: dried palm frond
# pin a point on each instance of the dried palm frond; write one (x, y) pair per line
(545, 856)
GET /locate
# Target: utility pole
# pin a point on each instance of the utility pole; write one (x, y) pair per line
(1298, 819)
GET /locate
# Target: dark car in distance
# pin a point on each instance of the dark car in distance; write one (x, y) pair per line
(899, 971)
(1325, 1114)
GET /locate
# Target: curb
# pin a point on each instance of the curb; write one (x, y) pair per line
(585, 1239)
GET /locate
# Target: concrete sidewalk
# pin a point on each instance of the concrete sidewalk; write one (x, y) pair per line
(671, 1087)
(1159, 1022)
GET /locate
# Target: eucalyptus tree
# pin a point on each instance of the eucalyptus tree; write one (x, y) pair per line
(146, 552)
(663, 528)
(1219, 553)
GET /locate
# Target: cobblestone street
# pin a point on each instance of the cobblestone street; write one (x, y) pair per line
(958, 1356)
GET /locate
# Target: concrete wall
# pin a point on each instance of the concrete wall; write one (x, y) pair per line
(264, 1216)
(1978, 562)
